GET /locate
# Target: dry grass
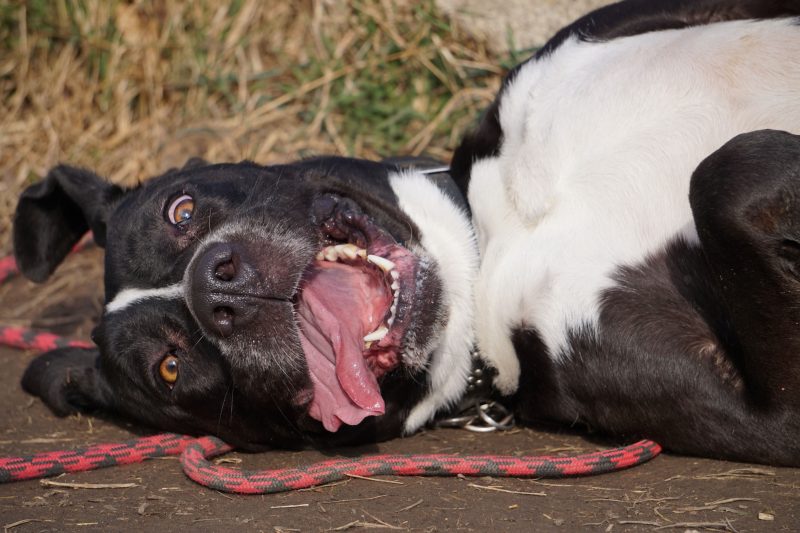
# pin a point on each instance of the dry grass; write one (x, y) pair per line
(132, 88)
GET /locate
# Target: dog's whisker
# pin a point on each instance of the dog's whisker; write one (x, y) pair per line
(222, 407)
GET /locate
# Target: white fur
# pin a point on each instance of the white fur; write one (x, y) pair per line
(446, 234)
(128, 297)
(599, 144)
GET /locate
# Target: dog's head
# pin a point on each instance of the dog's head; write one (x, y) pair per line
(272, 305)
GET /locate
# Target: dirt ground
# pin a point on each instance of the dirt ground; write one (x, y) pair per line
(670, 492)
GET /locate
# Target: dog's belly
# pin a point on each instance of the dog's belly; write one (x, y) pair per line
(599, 144)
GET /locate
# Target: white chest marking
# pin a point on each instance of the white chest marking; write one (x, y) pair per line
(447, 235)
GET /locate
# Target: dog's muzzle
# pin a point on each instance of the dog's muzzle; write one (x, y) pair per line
(226, 289)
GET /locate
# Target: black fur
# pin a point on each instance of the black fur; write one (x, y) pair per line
(55, 213)
(216, 394)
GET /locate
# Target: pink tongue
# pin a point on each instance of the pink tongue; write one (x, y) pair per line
(339, 304)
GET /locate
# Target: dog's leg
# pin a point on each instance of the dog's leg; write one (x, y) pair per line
(746, 203)
(698, 347)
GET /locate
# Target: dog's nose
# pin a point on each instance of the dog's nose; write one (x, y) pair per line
(224, 289)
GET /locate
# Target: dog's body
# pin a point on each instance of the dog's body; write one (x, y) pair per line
(630, 263)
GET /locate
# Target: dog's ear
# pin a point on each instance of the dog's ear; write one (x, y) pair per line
(69, 380)
(53, 215)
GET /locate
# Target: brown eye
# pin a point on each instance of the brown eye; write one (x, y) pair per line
(168, 369)
(180, 210)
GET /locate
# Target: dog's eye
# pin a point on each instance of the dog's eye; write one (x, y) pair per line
(180, 210)
(168, 369)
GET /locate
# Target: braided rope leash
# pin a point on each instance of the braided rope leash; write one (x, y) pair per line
(195, 452)
(198, 468)
(47, 464)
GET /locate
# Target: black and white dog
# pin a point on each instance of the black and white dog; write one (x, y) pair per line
(628, 259)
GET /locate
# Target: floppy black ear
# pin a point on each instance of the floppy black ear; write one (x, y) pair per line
(68, 380)
(53, 215)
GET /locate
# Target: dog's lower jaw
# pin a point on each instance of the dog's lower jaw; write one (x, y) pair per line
(448, 240)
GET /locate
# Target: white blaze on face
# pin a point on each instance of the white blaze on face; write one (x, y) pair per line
(127, 297)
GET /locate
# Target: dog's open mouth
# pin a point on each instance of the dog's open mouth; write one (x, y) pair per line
(352, 312)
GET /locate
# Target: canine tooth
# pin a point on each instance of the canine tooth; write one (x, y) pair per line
(376, 335)
(383, 263)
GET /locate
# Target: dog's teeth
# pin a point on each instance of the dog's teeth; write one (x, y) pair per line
(368, 345)
(340, 252)
(349, 251)
(330, 253)
(395, 286)
(382, 263)
(390, 321)
(395, 274)
(376, 335)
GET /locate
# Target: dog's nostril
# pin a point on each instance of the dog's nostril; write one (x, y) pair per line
(223, 320)
(225, 271)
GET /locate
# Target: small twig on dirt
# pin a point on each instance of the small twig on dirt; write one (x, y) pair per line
(288, 506)
(324, 486)
(661, 515)
(9, 527)
(375, 479)
(731, 500)
(633, 502)
(42, 440)
(725, 525)
(500, 489)
(575, 485)
(409, 507)
(748, 473)
(228, 460)
(358, 499)
(639, 523)
(365, 525)
(50, 483)
(381, 521)
(736, 473)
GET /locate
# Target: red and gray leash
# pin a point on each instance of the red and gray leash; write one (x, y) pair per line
(195, 452)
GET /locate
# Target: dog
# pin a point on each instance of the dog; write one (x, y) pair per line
(616, 246)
